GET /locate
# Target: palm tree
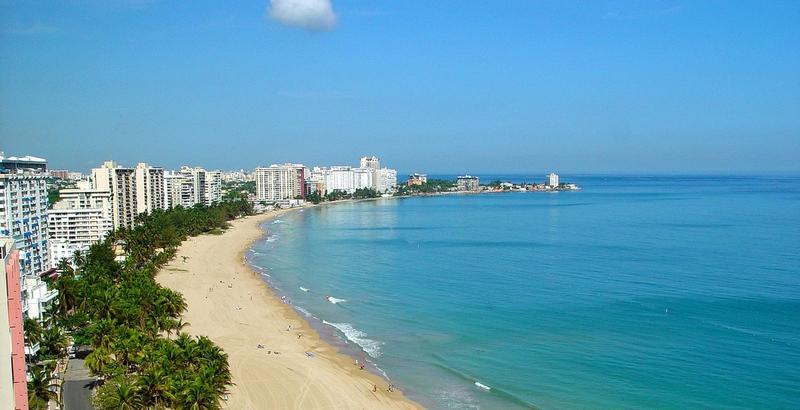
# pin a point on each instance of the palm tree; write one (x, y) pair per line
(197, 395)
(97, 361)
(154, 388)
(54, 342)
(120, 394)
(41, 387)
(33, 332)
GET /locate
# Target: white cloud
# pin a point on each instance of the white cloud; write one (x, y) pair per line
(315, 15)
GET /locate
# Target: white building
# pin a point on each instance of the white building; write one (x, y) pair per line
(149, 188)
(364, 178)
(213, 188)
(552, 180)
(280, 182)
(121, 182)
(82, 217)
(23, 217)
(387, 180)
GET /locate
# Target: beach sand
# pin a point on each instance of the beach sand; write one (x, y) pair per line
(231, 304)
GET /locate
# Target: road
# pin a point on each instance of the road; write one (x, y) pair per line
(77, 385)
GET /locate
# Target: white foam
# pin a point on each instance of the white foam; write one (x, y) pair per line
(483, 386)
(303, 311)
(272, 238)
(371, 347)
(335, 300)
(277, 221)
(303, 289)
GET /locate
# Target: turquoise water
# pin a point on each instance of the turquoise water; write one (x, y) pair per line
(667, 292)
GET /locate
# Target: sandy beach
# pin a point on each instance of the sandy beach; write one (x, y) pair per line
(230, 304)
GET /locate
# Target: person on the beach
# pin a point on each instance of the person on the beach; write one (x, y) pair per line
(374, 388)
(362, 366)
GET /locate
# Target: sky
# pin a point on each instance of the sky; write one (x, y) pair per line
(437, 86)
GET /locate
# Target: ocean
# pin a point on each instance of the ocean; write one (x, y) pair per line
(635, 292)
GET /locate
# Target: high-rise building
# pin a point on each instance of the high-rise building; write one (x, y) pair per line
(387, 180)
(23, 217)
(364, 178)
(552, 180)
(468, 183)
(149, 188)
(13, 377)
(374, 164)
(82, 217)
(121, 182)
(280, 182)
(213, 188)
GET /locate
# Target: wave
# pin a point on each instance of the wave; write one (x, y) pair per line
(303, 311)
(371, 347)
(469, 378)
(303, 289)
(335, 300)
(277, 221)
(483, 386)
(272, 238)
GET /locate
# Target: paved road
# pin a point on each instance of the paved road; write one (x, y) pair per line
(77, 385)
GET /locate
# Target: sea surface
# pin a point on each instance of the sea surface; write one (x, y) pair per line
(635, 292)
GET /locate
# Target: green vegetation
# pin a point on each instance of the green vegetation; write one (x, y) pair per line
(238, 190)
(127, 318)
(430, 187)
(361, 193)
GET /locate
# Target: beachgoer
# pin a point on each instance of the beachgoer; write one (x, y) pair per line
(374, 387)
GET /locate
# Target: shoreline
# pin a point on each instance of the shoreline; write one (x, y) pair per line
(229, 302)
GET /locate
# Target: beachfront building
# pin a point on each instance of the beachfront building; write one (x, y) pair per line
(149, 188)
(58, 173)
(22, 164)
(387, 180)
(213, 188)
(13, 376)
(374, 164)
(121, 183)
(82, 217)
(280, 182)
(416, 179)
(23, 217)
(552, 180)
(468, 183)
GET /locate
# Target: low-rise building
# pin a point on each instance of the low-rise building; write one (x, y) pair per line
(416, 179)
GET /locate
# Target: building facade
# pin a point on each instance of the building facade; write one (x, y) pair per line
(213, 188)
(23, 217)
(81, 218)
(552, 180)
(387, 180)
(468, 183)
(13, 377)
(121, 183)
(22, 164)
(280, 182)
(149, 188)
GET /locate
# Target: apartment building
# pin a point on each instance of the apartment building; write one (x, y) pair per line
(121, 183)
(280, 182)
(82, 217)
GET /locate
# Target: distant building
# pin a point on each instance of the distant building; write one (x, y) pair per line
(213, 188)
(552, 180)
(387, 180)
(121, 182)
(280, 182)
(468, 183)
(13, 376)
(374, 164)
(59, 173)
(149, 188)
(417, 179)
(81, 218)
(20, 164)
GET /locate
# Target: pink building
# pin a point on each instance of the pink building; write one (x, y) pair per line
(13, 380)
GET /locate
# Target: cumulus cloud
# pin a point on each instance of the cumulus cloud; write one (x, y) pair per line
(315, 15)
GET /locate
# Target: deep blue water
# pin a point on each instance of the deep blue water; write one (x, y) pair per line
(667, 292)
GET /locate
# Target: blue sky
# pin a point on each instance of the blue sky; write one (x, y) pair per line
(436, 86)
